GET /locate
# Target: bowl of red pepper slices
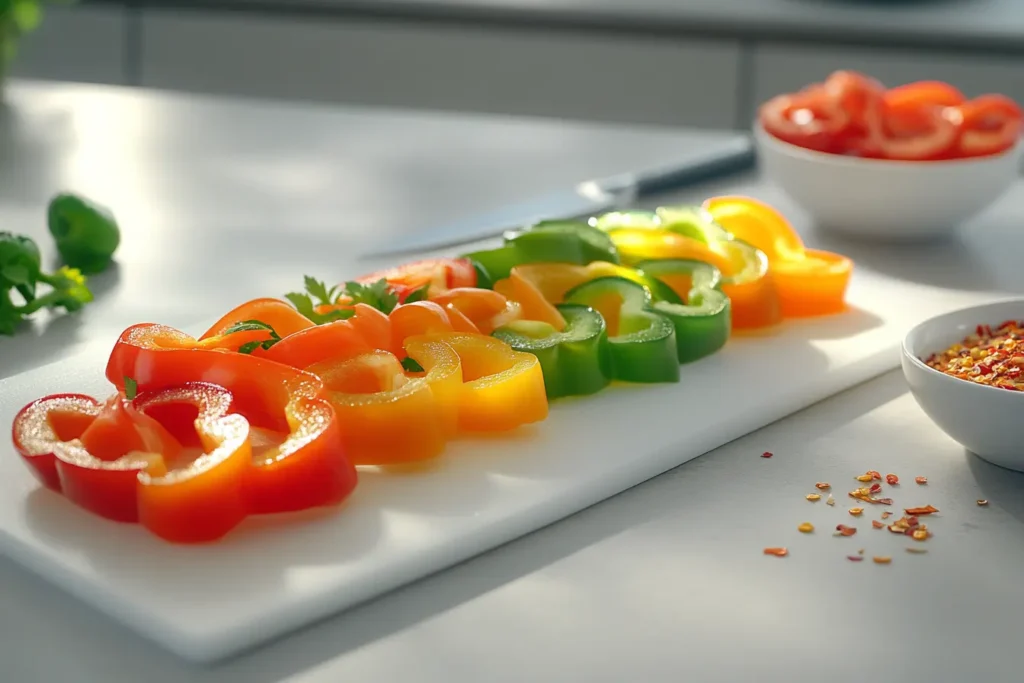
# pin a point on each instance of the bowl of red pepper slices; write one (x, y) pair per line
(905, 163)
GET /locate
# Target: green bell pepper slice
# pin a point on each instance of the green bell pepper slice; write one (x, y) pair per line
(704, 321)
(642, 342)
(86, 233)
(576, 361)
(573, 242)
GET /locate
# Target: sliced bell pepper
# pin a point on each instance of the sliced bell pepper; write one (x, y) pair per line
(703, 322)
(480, 307)
(553, 280)
(277, 314)
(392, 418)
(809, 282)
(642, 343)
(425, 317)
(575, 360)
(439, 274)
(682, 233)
(303, 464)
(532, 303)
(101, 463)
(991, 125)
(548, 242)
(501, 388)
(368, 329)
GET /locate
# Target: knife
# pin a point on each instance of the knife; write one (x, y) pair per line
(585, 199)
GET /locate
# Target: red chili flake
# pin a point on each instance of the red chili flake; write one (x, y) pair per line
(921, 480)
(886, 515)
(875, 475)
(875, 488)
(823, 486)
(892, 479)
(767, 454)
(912, 520)
(855, 558)
(878, 525)
(918, 512)
(777, 552)
(846, 530)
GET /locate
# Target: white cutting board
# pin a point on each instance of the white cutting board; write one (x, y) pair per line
(273, 575)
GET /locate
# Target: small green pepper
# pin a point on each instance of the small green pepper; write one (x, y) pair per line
(86, 233)
(21, 271)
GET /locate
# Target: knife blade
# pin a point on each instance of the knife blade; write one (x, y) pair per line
(585, 199)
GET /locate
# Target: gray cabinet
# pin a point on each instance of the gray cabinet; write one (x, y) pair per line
(784, 68)
(75, 43)
(599, 77)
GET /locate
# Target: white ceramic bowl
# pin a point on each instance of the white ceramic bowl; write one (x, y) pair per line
(986, 421)
(880, 199)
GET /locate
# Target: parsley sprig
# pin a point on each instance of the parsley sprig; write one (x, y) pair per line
(254, 326)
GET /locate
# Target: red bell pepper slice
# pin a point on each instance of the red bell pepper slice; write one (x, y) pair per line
(927, 93)
(991, 124)
(306, 468)
(810, 118)
(439, 274)
(911, 132)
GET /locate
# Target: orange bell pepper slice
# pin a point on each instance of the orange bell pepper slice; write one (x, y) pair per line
(368, 329)
(183, 495)
(426, 317)
(279, 315)
(391, 417)
(302, 463)
(501, 388)
(533, 304)
(810, 282)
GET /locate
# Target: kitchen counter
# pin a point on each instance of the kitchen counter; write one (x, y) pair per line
(663, 582)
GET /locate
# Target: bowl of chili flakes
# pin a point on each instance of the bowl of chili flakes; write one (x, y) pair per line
(901, 164)
(966, 371)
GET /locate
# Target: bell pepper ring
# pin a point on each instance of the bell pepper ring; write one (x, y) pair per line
(810, 119)
(809, 282)
(991, 124)
(532, 303)
(439, 275)
(642, 343)
(275, 313)
(678, 234)
(575, 360)
(195, 499)
(392, 418)
(502, 389)
(303, 464)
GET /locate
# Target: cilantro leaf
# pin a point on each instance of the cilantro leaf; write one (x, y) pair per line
(411, 365)
(378, 294)
(304, 305)
(251, 326)
(418, 294)
(318, 289)
(131, 388)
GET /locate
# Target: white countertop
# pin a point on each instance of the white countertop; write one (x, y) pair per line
(665, 582)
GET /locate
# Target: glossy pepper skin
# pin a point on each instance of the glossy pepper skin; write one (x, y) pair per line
(704, 321)
(810, 282)
(642, 343)
(86, 233)
(306, 468)
(575, 360)
(125, 460)
(549, 242)
(689, 233)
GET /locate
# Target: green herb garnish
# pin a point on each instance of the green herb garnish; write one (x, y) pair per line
(410, 365)
(254, 326)
(131, 388)
(317, 294)
(418, 294)
(378, 294)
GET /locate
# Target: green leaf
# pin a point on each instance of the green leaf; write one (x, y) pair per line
(319, 290)
(249, 347)
(131, 388)
(27, 14)
(269, 342)
(410, 365)
(378, 294)
(418, 294)
(16, 274)
(251, 326)
(304, 305)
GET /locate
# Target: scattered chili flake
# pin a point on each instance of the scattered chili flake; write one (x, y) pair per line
(878, 525)
(846, 530)
(875, 476)
(911, 520)
(881, 559)
(986, 357)
(830, 500)
(920, 534)
(863, 477)
(865, 495)
(813, 497)
(982, 502)
(823, 486)
(921, 480)
(767, 454)
(926, 510)
(855, 558)
(777, 552)
(891, 479)
(886, 514)
(856, 512)
(805, 528)
(917, 551)
(875, 488)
